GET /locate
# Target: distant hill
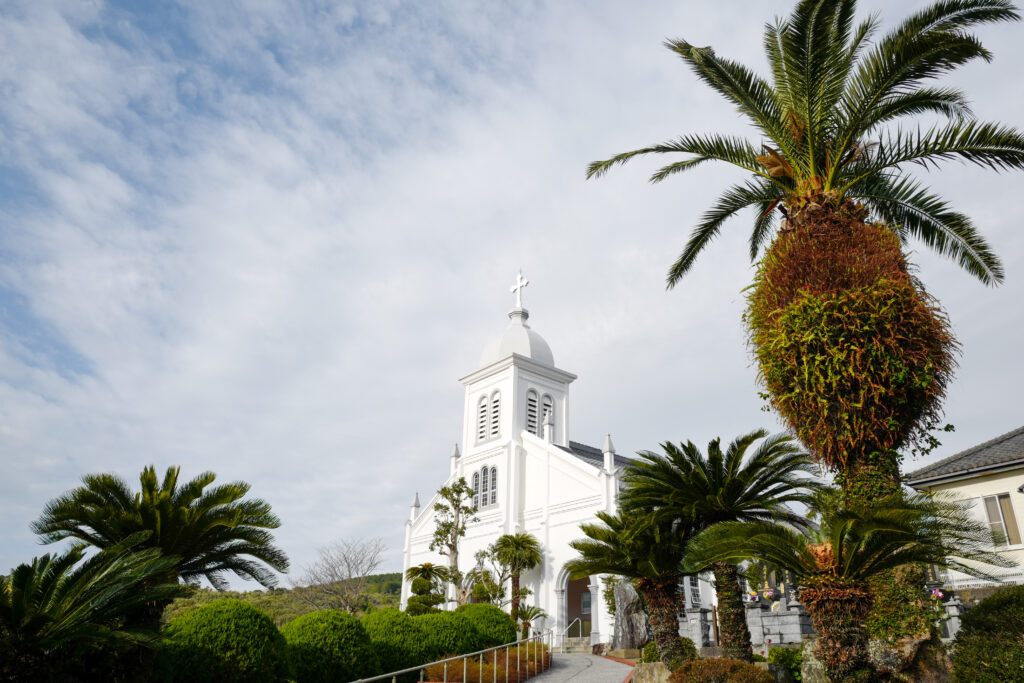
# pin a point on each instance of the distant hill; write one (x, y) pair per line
(285, 604)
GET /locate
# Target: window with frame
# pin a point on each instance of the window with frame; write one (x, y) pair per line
(585, 602)
(495, 414)
(547, 408)
(1001, 519)
(694, 589)
(485, 487)
(481, 419)
(532, 414)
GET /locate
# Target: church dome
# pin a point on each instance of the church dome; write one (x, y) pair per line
(518, 338)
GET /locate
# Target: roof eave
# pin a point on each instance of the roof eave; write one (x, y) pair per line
(965, 474)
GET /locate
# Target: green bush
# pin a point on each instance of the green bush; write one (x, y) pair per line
(649, 655)
(720, 670)
(990, 644)
(421, 586)
(399, 640)
(789, 657)
(689, 649)
(448, 633)
(417, 605)
(329, 646)
(494, 626)
(225, 640)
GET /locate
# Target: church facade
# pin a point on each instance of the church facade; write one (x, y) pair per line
(528, 476)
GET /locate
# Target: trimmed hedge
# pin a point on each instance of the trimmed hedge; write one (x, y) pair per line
(494, 626)
(449, 633)
(989, 647)
(399, 640)
(720, 670)
(226, 640)
(790, 657)
(329, 646)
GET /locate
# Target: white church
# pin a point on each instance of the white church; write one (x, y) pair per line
(528, 476)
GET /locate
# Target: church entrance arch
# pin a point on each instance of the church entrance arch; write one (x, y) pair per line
(575, 605)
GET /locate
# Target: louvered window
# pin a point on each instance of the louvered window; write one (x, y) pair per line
(494, 486)
(548, 408)
(476, 489)
(532, 423)
(481, 420)
(495, 414)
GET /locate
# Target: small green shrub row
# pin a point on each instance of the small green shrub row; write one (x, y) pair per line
(650, 654)
(990, 644)
(229, 640)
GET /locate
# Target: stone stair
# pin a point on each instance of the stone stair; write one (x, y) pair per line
(576, 645)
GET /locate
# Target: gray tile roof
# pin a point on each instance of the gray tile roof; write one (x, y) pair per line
(593, 456)
(1000, 452)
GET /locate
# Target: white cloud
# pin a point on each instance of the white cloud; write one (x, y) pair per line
(275, 239)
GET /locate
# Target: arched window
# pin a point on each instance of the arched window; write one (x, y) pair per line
(547, 408)
(481, 419)
(485, 488)
(494, 486)
(532, 422)
(495, 414)
(476, 489)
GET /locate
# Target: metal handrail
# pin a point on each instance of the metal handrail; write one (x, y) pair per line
(565, 633)
(537, 641)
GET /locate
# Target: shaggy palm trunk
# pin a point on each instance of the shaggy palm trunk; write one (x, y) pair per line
(660, 599)
(515, 595)
(734, 636)
(838, 613)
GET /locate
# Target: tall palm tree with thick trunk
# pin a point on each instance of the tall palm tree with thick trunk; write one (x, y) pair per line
(683, 486)
(519, 552)
(630, 544)
(854, 354)
(834, 560)
(212, 531)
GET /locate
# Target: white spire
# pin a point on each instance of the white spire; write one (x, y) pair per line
(454, 460)
(455, 453)
(609, 454)
(549, 426)
(414, 509)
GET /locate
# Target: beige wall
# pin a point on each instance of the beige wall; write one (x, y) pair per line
(975, 489)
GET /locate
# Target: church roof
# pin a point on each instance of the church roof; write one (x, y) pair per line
(593, 456)
(999, 453)
(518, 338)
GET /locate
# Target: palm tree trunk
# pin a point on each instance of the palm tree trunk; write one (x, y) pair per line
(838, 614)
(515, 594)
(732, 615)
(660, 598)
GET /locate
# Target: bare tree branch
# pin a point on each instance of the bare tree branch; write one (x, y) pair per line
(338, 578)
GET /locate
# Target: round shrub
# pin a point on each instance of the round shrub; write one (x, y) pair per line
(494, 626)
(329, 646)
(990, 644)
(649, 654)
(399, 640)
(421, 586)
(225, 640)
(720, 670)
(448, 633)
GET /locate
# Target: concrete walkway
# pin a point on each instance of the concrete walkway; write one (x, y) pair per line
(583, 668)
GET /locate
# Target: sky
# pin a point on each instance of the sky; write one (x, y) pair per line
(266, 238)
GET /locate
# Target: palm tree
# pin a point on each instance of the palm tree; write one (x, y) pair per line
(685, 487)
(855, 356)
(528, 614)
(834, 561)
(631, 545)
(519, 552)
(58, 601)
(211, 532)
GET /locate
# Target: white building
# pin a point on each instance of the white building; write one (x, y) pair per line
(529, 476)
(991, 476)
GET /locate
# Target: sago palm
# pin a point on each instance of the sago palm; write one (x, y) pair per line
(834, 561)
(632, 545)
(211, 530)
(684, 486)
(519, 552)
(855, 356)
(58, 601)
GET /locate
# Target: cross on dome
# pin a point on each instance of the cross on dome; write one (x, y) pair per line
(518, 288)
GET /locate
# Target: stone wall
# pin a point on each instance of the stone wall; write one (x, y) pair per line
(783, 622)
